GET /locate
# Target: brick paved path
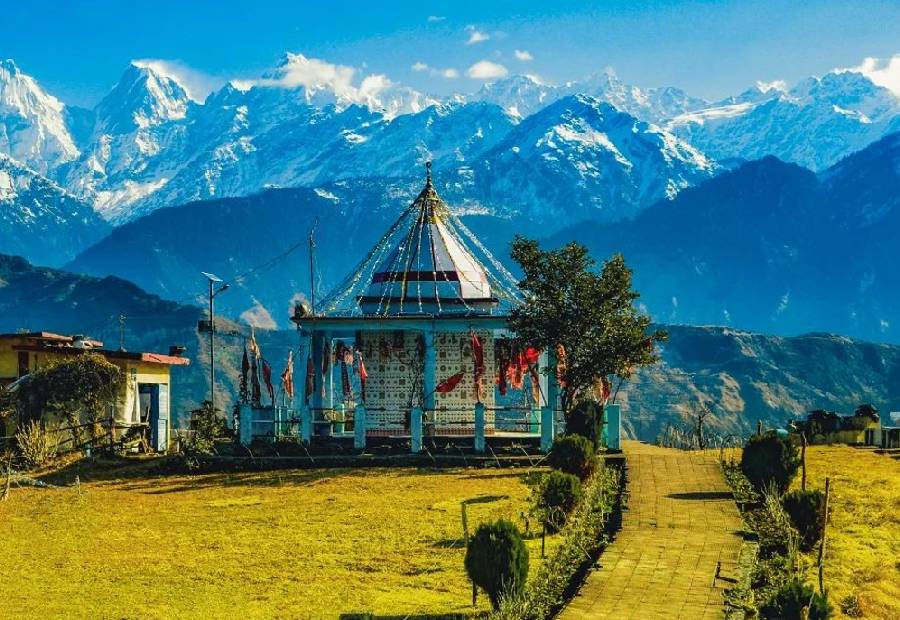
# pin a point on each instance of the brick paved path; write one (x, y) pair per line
(680, 521)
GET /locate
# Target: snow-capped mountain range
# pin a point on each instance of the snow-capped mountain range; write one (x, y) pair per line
(597, 148)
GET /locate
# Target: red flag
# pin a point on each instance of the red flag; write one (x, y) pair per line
(267, 377)
(448, 384)
(287, 377)
(310, 379)
(363, 376)
(561, 365)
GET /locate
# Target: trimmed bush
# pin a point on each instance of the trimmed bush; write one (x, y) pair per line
(573, 454)
(770, 460)
(586, 419)
(557, 494)
(792, 598)
(497, 560)
(807, 512)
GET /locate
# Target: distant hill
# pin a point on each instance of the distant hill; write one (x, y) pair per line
(740, 376)
(771, 247)
(743, 377)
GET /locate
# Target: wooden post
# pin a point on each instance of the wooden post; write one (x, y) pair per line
(822, 542)
(803, 460)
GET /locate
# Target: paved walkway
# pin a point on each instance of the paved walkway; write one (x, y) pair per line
(680, 521)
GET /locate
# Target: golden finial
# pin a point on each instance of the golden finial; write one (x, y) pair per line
(428, 172)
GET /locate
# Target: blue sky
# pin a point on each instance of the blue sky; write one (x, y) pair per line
(78, 49)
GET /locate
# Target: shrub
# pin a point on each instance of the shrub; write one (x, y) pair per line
(206, 425)
(497, 560)
(792, 598)
(556, 495)
(586, 419)
(573, 454)
(807, 512)
(37, 445)
(770, 460)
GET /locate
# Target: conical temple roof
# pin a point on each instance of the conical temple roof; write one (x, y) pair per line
(424, 265)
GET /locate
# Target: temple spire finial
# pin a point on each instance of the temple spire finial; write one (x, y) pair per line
(428, 172)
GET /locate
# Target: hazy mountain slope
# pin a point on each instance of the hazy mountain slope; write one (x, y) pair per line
(770, 247)
(38, 219)
(742, 377)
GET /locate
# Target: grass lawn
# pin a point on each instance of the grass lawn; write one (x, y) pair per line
(289, 544)
(862, 553)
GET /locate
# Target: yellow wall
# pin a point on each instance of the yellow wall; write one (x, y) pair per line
(133, 372)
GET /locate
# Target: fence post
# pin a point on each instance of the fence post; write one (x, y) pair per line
(359, 427)
(246, 424)
(305, 424)
(547, 433)
(479, 427)
(613, 415)
(415, 429)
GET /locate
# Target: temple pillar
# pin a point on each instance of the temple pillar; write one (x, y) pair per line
(317, 342)
(479, 427)
(415, 429)
(245, 424)
(306, 418)
(612, 415)
(429, 371)
(547, 428)
(359, 427)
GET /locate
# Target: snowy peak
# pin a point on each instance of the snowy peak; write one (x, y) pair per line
(142, 98)
(519, 95)
(32, 123)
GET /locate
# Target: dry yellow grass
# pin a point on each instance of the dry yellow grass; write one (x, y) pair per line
(863, 547)
(295, 544)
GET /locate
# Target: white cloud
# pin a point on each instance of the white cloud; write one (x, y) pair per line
(313, 74)
(475, 35)
(257, 316)
(487, 70)
(448, 73)
(433, 19)
(523, 55)
(884, 72)
(195, 83)
(765, 87)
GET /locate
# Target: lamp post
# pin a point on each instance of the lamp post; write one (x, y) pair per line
(213, 291)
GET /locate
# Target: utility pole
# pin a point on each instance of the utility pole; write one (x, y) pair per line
(121, 332)
(312, 277)
(213, 280)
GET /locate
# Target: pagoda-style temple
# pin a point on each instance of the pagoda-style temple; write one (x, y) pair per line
(414, 343)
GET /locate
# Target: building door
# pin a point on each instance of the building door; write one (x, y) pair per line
(23, 363)
(154, 399)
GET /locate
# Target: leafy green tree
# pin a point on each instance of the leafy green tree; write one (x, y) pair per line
(79, 389)
(497, 560)
(796, 600)
(592, 315)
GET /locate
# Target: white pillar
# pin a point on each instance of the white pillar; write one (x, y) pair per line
(415, 429)
(359, 427)
(306, 418)
(479, 427)
(246, 424)
(429, 372)
(613, 418)
(547, 430)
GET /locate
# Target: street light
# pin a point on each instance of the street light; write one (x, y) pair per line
(213, 280)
